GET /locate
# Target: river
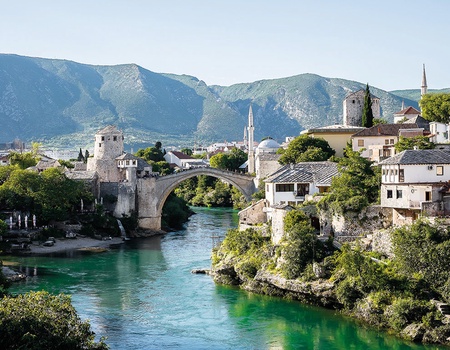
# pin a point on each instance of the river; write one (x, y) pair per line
(142, 295)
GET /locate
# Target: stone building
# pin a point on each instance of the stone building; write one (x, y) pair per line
(353, 107)
(108, 146)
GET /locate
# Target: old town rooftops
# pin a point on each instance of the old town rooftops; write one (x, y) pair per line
(420, 156)
(311, 172)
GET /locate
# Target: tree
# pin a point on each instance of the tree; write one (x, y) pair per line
(80, 156)
(356, 186)
(367, 113)
(158, 145)
(229, 161)
(420, 142)
(86, 156)
(151, 153)
(436, 107)
(39, 320)
(306, 149)
(187, 151)
(23, 160)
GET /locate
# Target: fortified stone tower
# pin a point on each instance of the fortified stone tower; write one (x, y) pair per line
(108, 146)
(353, 106)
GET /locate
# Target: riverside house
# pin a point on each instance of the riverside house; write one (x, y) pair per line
(416, 182)
(293, 184)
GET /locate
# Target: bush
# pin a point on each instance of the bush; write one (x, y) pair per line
(404, 311)
(38, 320)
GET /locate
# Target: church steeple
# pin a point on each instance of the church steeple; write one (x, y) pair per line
(423, 89)
(251, 154)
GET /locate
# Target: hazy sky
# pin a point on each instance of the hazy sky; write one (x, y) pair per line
(383, 43)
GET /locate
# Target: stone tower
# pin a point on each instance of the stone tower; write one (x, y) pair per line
(353, 107)
(424, 88)
(108, 146)
(251, 152)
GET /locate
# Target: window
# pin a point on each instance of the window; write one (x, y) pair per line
(391, 141)
(386, 142)
(284, 188)
(115, 138)
(428, 196)
(440, 170)
(103, 138)
(401, 175)
(389, 194)
(360, 143)
(384, 171)
(99, 145)
(302, 190)
(399, 194)
(267, 188)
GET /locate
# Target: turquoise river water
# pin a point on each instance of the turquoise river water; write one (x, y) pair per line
(142, 295)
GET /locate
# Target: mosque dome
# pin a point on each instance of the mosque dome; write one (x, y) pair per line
(268, 144)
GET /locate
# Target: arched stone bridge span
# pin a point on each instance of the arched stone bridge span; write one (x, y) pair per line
(152, 192)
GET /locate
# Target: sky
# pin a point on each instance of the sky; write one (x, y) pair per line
(224, 42)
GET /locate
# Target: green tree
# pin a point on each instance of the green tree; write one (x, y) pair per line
(316, 149)
(436, 107)
(367, 113)
(38, 320)
(299, 245)
(421, 142)
(231, 160)
(23, 160)
(151, 154)
(187, 151)
(80, 156)
(355, 187)
(3, 227)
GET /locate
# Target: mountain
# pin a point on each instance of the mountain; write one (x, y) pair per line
(62, 103)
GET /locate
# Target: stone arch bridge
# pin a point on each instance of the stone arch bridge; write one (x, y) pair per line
(152, 192)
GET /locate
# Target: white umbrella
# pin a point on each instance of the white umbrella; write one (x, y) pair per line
(34, 220)
(19, 221)
(10, 222)
(26, 221)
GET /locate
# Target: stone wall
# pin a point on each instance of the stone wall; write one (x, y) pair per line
(350, 225)
(254, 214)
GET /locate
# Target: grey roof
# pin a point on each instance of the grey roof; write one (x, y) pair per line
(420, 156)
(385, 129)
(309, 172)
(336, 128)
(127, 156)
(420, 121)
(110, 129)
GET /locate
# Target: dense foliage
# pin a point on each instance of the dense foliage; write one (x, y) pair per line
(420, 142)
(305, 149)
(436, 107)
(175, 212)
(155, 157)
(50, 194)
(39, 320)
(231, 160)
(356, 186)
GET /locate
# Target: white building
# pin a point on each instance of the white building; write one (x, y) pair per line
(266, 158)
(295, 183)
(415, 181)
(183, 161)
(439, 132)
(378, 141)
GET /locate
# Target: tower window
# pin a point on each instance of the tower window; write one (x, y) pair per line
(103, 138)
(100, 144)
(115, 138)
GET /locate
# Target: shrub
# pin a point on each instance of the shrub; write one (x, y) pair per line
(38, 320)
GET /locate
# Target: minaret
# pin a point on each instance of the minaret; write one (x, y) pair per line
(251, 154)
(423, 89)
(245, 139)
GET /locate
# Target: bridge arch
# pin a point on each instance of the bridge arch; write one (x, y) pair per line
(153, 194)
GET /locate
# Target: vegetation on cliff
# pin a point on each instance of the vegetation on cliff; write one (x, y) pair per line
(356, 186)
(391, 294)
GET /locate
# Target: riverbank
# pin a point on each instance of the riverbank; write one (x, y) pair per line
(79, 243)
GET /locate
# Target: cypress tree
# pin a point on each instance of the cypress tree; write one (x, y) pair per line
(367, 114)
